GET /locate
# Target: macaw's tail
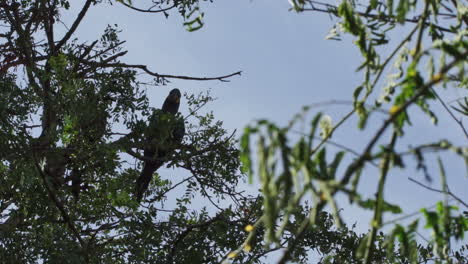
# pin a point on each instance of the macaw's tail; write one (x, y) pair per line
(145, 178)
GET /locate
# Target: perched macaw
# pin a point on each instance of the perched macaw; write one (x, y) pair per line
(160, 141)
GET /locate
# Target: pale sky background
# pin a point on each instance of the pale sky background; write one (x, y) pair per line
(286, 64)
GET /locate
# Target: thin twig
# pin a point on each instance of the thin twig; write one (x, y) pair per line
(439, 191)
(344, 102)
(450, 112)
(374, 83)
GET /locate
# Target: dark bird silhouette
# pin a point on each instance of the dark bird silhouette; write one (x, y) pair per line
(160, 141)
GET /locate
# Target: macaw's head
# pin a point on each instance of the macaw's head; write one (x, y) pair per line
(171, 104)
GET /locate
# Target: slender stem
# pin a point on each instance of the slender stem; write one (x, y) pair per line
(450, 112)
(377, 219)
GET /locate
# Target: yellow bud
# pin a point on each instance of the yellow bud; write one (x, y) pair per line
(323, 197)
(233, 254)
(437, 77)
(394, 109)
(247, 248)
(249, 228)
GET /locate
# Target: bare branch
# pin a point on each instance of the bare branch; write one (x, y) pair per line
(162, 76)
(75, 24)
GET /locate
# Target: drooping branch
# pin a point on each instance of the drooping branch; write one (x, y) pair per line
(149, 10)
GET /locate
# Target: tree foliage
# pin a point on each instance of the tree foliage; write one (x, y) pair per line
(72, 111)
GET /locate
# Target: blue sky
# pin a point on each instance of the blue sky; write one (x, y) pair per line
(286, 63)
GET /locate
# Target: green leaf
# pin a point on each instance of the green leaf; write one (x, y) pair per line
(357, 92)
(351, 22)
(320, 159)
(313, 128)
(402, 9)
(245, 153)
(432, 219)
(335, 163)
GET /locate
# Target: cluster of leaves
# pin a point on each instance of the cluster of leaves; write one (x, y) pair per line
(188, 9)
(66, 185)
(291, 173)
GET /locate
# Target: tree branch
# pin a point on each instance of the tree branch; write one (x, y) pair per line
(60, 206)
(157, 75)
(75, 25)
